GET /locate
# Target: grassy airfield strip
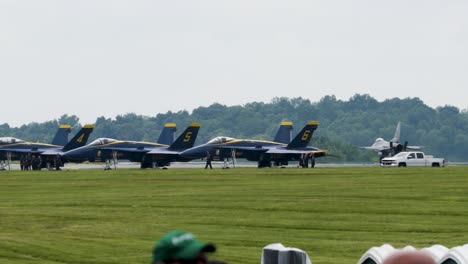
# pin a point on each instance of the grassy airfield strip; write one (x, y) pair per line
(335, 214)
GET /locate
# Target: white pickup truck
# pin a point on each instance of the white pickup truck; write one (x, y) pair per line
(404, 159)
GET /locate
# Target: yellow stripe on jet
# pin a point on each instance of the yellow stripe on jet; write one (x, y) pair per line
(286, 123)
(313, 123)
(88, 126)
(324, 151)
(250, 140)
(195, 125)
(64, 126)
(170, 125)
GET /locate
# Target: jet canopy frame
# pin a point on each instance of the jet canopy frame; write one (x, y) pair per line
(102, 141)
(220, 139)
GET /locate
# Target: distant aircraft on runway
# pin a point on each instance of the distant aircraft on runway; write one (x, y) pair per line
(148, 154)
(13, 148)
(264, 152)
(392, 147)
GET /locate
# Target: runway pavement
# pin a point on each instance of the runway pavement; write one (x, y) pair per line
(192, 164)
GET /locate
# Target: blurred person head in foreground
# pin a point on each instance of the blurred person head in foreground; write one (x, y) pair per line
(409, 257)
(181, 247)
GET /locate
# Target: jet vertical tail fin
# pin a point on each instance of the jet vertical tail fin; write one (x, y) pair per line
(303, 138)
(167, 134)
(284, 132)
(187, 139)
(61, 137)
(396, 137)
(80, 138)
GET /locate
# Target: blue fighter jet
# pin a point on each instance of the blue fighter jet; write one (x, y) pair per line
(266, 153)
(148, 154)
(13, 148)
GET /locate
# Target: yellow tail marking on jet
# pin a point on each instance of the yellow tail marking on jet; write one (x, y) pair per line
(80, 139)
(188, 136)
(305, 136)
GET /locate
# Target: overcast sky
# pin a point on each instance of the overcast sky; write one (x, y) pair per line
(94, 58)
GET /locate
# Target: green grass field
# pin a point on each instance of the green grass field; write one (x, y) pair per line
(335, 214)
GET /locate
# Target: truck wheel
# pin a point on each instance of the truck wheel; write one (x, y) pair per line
(402, 164)
(435, 165)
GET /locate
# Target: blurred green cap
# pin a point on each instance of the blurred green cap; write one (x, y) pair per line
(179, 245)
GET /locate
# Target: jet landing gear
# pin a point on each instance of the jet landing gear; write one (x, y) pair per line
(157, 165)
(6, 163)
(264, 164)
(2, 165)
(234, 160)
(226, 164)
(111, 162)
(279, 164)
(147, 164)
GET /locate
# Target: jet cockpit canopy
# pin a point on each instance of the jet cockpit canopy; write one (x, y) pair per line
(102, 141)
(218, 140)
(10, 140)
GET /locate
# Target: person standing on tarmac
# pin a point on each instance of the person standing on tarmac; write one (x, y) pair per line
(209, 158)
(27, 161)
(302, 161)
(311, 157)
(22, 160)
(58, 162)
(39, 162)
(33, 162)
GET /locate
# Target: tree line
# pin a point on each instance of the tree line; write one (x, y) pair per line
(344, 125)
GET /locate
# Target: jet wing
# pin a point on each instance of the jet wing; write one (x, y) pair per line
(374, 148)
(317, 153)
(132, 150)
(32, 151)
(259, 149)
(279, 151)
(292, 151)
(163, 152)
(51, 152)
(414, 147)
